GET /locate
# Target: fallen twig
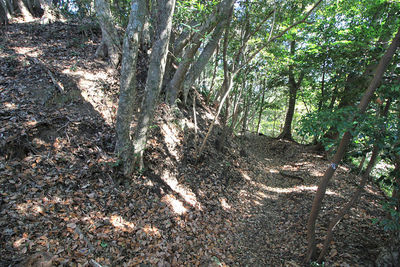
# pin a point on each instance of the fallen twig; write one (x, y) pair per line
(56, 83)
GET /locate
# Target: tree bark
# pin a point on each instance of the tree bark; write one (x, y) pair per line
(4, 13)
(213, 77)
(155, 74)
(176, 83)
(354, 199)
(261, 107)
(127, 95)
(293, 88)
(317, 202)
(203, 59)
(24, 11)
(322, 99)
(110, 40)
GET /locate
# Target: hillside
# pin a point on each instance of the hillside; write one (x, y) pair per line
(62, 191)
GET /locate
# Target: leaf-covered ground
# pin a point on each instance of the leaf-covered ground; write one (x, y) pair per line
(61, 189)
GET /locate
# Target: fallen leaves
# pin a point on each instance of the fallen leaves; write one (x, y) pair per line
(61, 190)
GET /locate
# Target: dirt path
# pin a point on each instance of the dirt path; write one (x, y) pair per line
(275, 218)
(61, 190)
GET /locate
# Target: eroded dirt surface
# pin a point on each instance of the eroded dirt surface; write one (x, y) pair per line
(62, 192)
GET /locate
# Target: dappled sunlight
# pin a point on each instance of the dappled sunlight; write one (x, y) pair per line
(245, 175)
(372, 190)
(170, 136)
(257, 202)
(10, 106)
(175, 204)
(316, 172)
(297, 188)
(30, 208)
(264, 195)
(189, 124)
(152, 231)
(28, 51)
(20, 241)
(120, 223)
(90, 85)
(274, 171)
(224, 204)
(272, 192)
(183, 191)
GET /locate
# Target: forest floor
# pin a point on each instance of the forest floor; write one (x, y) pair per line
(61, 190)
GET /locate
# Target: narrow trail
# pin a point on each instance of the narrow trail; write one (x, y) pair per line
(61, 190)
(276, 204)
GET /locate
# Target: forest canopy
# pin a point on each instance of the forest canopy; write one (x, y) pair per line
(321, 73)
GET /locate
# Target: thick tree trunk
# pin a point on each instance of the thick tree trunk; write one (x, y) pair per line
(317, 202)
(24, 11)
(158, 59)
(110, 39)
(124, 147)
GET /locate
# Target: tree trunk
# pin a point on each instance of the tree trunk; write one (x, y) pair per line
(203, 59)
(322, 99)
(293, 88)
(49, 12)
(345, 209)
(158, 59)
(6, 11)
(110, 40)
(24, 11)
(317, 202)
(261, 107)
(127, 95)
(210, 91)
(355, 84)
(176, 83)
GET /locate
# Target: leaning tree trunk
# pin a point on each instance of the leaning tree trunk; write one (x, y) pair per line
(317, 202)
(24, 11)
(355, 197)
(198, 67)
(110, 41)
(155, 75)
(127, 95)
(175, 86)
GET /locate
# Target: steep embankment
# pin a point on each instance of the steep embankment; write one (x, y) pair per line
(61, 189)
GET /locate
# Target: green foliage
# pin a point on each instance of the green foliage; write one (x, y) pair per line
(392, 222)
(317, 124)
(189, 11)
